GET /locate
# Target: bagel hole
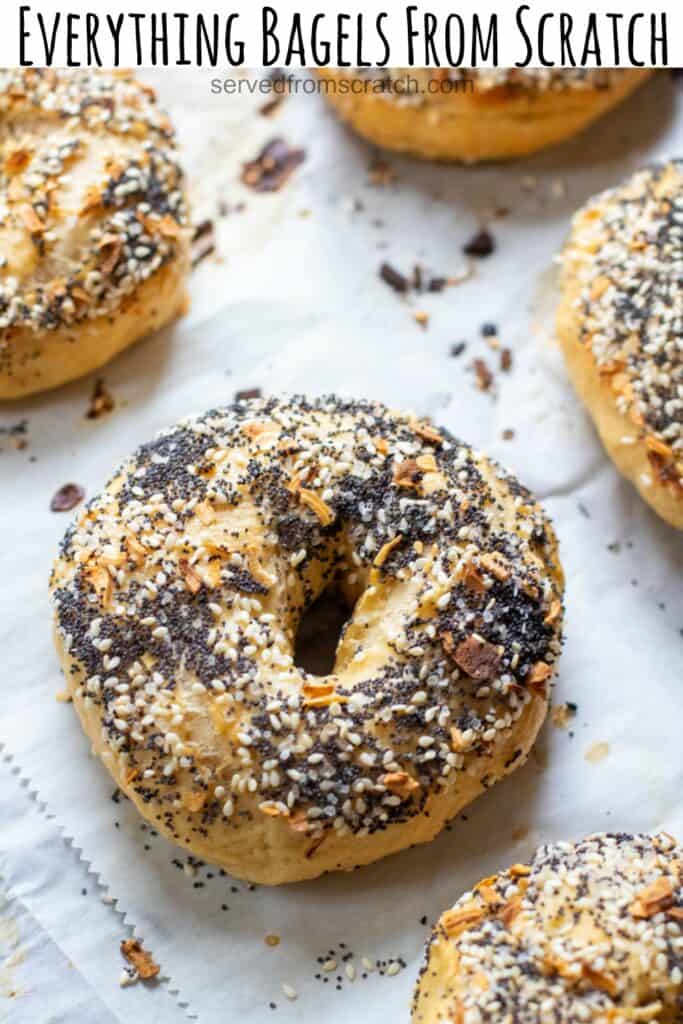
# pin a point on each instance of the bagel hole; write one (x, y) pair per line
(320, 630)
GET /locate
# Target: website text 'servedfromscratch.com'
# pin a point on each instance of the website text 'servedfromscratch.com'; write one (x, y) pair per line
(279, 83)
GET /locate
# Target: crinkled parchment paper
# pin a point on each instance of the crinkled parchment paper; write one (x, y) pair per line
(293, 302)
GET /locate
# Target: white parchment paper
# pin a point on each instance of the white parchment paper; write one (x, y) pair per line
(293, 302)
(60, 931)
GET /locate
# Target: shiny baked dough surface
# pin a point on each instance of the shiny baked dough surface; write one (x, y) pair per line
(501, 118)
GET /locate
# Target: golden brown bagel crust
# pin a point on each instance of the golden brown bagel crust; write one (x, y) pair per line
(94, 233)
(503, 114)
(178, 595)
(589, 932)
(620, 325)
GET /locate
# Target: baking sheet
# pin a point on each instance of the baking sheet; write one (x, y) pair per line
(292, 301)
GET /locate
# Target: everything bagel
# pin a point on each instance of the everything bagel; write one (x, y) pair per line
(178, 593)
(93, 230)
(588, 931)
(472, 115)
(619, 325)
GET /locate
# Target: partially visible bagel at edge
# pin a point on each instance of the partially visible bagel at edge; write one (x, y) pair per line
(474, 115)
(620, 325)
(179, 590)
(587, 932)
(94, 234)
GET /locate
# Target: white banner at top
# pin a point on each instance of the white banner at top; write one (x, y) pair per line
(309, 33)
